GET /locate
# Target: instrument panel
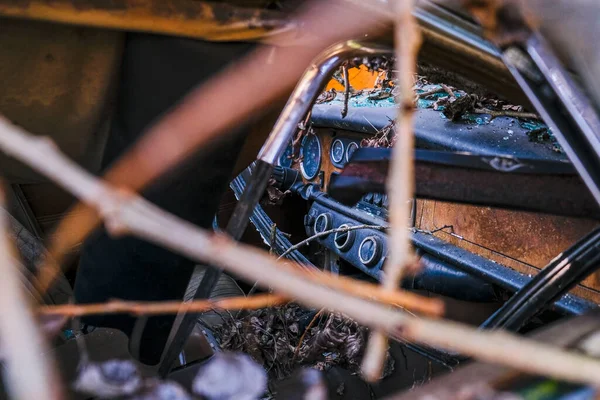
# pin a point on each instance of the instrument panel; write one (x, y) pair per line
(482, 230)
(321, 152)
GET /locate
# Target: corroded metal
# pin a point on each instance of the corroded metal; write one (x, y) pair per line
(57, 81)
(188, 18)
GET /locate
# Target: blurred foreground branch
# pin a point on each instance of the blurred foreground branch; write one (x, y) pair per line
(128, 213)
(400, 185)
(28, 375)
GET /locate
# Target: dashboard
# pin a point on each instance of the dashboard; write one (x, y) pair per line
(322, 153)
(496, 234)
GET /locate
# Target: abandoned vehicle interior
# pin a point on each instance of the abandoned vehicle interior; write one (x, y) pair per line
(502, 219)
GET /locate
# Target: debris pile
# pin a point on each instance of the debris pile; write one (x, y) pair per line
(458, 105)
(284, 338)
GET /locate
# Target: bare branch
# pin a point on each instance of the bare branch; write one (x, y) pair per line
(506, 113)
(431, 92)
(29, 376)
(130, 213)
(400, 184)
(347, 89)
(165, 307)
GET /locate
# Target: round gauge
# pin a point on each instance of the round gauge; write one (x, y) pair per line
(369, 251)
(344, 240)
(286, 158)
(322, 223)
(350, 150)
(311, 156)
(337, 151)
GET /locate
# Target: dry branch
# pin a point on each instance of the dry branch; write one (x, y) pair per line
(165, 307)
(28, 375)
(259, 79)
(130, 213)
(400, 184)
(411, 301)
(347, 89)
(506, 113)
(408, 300)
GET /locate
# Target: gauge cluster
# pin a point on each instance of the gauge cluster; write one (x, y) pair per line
(318, 152)
(287, 158)
(341, 151)
(365, 249)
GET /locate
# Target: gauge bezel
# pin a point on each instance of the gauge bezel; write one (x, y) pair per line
(302, 170)
(341, 160)
(371, 261)
(291, 161)
(328, 223)
(346, 155)
(347, 245)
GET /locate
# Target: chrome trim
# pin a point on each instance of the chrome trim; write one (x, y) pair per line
(346, 155)
(308, 89)
(304, 174)
(343, 151)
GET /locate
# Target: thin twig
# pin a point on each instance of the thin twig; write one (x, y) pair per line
(28, 375)
(448, 90)
(310, 325)
(407, 300)
(272, 239)
(424, 305)
(506, 113)
(400, 184)
(431, 92)
(347, 88)
(165, 307)
(326, 233)
(127, 213)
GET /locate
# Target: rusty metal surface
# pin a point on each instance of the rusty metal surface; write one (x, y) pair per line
(531, 238)
(57, 81)
(188, 18)
(524, 241)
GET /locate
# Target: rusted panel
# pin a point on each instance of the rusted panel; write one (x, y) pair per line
(58, 81)
(523, 241)
(531, 238)
(188, 18)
